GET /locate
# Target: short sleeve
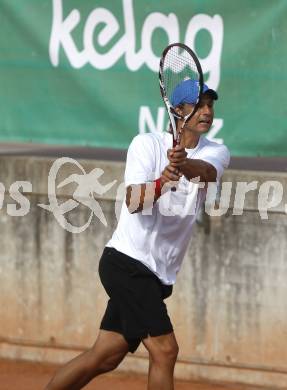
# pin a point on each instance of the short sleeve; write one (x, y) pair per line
(140, 164)
(218, 156)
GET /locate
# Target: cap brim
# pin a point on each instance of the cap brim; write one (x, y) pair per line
(212, 93)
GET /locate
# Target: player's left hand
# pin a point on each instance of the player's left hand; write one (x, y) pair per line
(177, 156)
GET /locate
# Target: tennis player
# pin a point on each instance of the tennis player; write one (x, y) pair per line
(140, 262)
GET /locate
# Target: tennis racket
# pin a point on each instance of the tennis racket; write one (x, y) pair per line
(179, 63)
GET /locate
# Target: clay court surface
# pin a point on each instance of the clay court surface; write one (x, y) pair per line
(34, 376)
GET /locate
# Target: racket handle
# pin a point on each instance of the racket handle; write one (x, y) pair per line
(175, 142)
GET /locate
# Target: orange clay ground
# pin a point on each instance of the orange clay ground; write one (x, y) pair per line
(34, 376)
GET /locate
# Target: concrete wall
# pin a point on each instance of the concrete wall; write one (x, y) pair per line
(229, 303)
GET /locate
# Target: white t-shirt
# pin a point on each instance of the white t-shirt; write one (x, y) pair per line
(159, 236)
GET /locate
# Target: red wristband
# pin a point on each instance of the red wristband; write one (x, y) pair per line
(157, 187)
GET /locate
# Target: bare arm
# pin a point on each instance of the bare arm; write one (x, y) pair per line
(191, 168)
(143, 196)
(199, 168)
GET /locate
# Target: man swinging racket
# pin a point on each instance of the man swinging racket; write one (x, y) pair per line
(140, 262)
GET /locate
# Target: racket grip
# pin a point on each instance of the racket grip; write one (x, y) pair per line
(175, 142)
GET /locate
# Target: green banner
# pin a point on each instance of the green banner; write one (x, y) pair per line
(78, 72)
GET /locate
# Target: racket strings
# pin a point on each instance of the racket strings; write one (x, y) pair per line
(178, 66)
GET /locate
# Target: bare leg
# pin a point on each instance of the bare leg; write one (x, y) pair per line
(108, 351)
(163, 352)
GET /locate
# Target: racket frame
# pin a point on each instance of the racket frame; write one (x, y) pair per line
(170, 109)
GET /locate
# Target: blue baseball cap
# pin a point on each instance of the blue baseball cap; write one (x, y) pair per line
(187, 92)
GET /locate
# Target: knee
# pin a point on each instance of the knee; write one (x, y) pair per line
(109, 364)
(165, 354)
(171, 352)
(105, 364)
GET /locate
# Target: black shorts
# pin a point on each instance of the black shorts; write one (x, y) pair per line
(135, 308)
